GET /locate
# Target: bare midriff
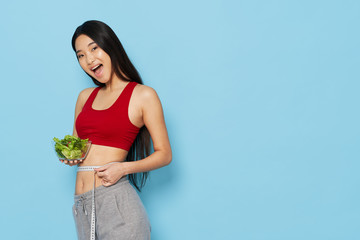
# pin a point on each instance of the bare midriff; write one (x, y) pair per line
(97, 156)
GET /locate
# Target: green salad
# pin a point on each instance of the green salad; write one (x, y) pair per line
(70, 147)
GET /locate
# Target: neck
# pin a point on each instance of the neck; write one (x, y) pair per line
(115, 83)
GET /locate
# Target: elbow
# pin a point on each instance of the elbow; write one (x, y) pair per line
(164, 156)
(168, 158)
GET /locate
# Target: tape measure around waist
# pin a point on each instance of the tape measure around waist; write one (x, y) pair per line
(91, 168)
(87, 168)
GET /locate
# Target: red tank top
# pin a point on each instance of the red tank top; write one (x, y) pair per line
(109, 127)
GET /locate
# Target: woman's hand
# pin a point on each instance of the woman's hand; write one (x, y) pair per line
(71, 163)
(110, 173)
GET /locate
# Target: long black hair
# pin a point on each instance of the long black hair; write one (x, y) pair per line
(106, 39)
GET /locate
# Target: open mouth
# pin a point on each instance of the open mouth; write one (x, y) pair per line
(97, 70)
(96, 67)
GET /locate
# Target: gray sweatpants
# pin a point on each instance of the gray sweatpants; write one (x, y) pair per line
(120, 213)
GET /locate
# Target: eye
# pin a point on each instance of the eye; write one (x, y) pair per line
(80, 56)
(94, 48)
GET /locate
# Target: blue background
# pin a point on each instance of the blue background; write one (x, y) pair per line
(260, 99)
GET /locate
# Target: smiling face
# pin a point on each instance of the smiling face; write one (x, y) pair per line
(94, 60)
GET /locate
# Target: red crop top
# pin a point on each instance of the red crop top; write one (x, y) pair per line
(109, 127)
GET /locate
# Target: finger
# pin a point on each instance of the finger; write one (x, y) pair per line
(100, 174)
(100, 169)
(66, 161)
(76, 162)
(106, 184)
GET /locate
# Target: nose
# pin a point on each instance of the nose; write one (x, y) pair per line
(90, 59)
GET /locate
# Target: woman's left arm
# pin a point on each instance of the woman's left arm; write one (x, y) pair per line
(153, 118)
(154, 121)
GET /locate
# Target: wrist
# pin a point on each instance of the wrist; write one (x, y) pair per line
(126, 167)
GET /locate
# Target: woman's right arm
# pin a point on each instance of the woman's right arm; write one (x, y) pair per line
(83, 96)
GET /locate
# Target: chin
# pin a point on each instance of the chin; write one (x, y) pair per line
(102, 80)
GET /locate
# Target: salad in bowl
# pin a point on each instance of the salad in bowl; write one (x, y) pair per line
(72, 148)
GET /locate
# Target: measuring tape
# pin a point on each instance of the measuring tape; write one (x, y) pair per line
(92, 228)
(89, 169)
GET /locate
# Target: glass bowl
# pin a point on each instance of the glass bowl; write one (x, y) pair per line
(84, 153)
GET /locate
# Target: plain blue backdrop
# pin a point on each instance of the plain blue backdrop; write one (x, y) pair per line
(260, 99)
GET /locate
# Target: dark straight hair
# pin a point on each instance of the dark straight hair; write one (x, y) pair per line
(106, 39)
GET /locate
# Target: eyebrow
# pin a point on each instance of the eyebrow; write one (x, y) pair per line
(88, 45)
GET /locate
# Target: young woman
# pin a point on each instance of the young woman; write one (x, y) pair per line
(119, 117)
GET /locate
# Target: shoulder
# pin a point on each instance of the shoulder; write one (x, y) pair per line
(86, 92)
(146, 97)
(84, 95)
(145, 93)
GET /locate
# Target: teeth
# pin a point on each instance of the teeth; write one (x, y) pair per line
(95, 67)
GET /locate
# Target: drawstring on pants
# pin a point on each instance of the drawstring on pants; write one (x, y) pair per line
(82, 202)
